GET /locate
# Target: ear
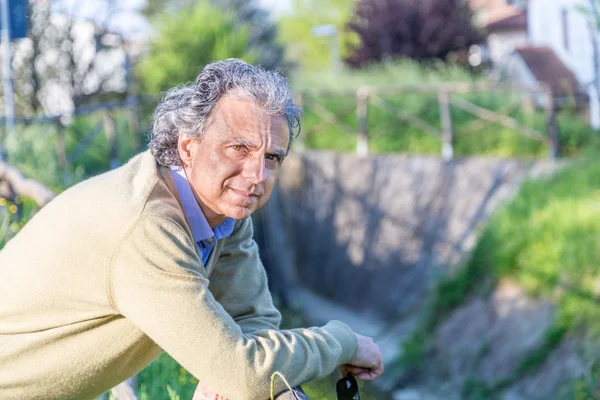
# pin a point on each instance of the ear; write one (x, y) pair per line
(185, 148)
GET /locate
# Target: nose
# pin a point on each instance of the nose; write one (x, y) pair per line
(254, 169)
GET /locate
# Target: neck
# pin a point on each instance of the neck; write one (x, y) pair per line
(212, 217)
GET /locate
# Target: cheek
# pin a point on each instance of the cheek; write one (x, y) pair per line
(208, 182)
(224, 168)
(220, 174)
(269, 183)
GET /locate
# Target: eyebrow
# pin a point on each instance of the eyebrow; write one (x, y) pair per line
(241, 140)
(238, 139)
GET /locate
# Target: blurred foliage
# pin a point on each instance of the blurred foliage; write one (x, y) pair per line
(32, 150)
(263, 32)
(13, 216)
(263, 41)
(385, 74)
(475, 389)
(421, 30)
(163, 377)
(186, 41)
(66, 61)
(303, 47)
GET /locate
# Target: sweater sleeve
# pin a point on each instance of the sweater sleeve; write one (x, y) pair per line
(156, 282)
(239, 282)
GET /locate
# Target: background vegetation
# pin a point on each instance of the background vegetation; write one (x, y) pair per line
(388, 134)
(546, 240)
(174, 58)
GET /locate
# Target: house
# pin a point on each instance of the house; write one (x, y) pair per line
(505, 24)
(545, 41)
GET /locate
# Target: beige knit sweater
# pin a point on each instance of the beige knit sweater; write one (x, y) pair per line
(107, 276)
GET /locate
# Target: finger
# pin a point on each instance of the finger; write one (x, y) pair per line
(367, 375)
(353, 370)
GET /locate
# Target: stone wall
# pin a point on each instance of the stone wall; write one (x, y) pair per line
(375, 233)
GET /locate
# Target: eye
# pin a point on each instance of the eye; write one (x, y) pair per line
(237, 147)
(273, 158)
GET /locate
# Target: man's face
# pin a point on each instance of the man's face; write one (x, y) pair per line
(232, 169)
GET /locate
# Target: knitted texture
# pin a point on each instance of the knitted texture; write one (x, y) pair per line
(107, 276)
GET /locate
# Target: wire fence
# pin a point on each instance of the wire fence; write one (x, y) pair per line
(76, 133)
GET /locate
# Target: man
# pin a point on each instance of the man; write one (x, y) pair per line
(158, 256)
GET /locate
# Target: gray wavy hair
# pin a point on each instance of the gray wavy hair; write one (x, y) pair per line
(187, 109)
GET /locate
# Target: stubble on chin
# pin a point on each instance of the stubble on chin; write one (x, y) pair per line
(240, 208)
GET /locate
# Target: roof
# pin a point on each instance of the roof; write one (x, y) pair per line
(498, 15)
(549, 69)
(517, 21)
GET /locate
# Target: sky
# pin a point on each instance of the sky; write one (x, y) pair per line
(128, 20)
(277, 7)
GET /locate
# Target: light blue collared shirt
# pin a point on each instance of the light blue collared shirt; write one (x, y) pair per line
(204, 236)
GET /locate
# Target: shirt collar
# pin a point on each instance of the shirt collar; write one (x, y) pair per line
(200, 227)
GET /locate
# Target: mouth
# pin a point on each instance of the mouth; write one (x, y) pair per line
(245, 193)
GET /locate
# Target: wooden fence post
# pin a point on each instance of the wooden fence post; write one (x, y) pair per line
(446, 122)
(61, 147)
(362, 115)
(551, 124)
(111, 136)
(299, 100)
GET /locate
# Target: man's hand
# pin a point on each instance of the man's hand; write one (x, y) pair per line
(368, 364)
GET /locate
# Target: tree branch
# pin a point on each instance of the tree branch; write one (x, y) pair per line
(24, 186)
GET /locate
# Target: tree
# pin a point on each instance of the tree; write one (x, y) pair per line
(262, 31)
(67, 61)
(424, 30)
(186, 41)
(304, 48)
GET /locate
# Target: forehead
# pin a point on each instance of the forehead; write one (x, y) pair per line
(243, 118)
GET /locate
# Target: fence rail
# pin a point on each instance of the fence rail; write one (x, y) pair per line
(447, 97)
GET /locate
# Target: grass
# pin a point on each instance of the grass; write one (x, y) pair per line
(397, 72)
(471, 136)
(546, 239)
(163, 378)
